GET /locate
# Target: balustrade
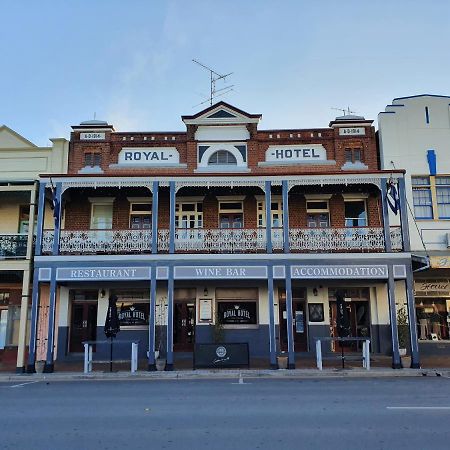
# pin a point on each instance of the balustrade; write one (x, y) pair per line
(228, 240)
(13, 245)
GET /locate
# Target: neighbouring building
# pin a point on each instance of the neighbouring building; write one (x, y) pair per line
(220, 232)
(414, 133)
(21, 162)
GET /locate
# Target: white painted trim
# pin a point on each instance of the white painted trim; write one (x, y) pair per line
(312, 197)
(354, 196)
(327, 162)
(192, 199)
(213, 148)
(139, 199)
(231, 198)
(221, 169)
(101, 200)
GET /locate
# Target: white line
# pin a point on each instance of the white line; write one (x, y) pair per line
(23, 384)
(444, 408)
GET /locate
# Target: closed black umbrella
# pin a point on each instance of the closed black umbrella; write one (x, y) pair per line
(112, 325)
(342, 321)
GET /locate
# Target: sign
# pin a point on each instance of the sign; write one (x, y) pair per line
(299, 323)
(219, 272)
(312, 153)
(205, 312)
(440, 262)
(149, 156)
(352, 131)
(221, 355)
(102, 273)
(237, 313)
(432, 286)
(340, 271)
(92, 136)
(134, 314)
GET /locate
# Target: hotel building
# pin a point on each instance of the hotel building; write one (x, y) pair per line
(222, 232)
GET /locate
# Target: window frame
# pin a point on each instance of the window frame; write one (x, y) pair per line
(424, 187)
(353, 200)
(261, 210)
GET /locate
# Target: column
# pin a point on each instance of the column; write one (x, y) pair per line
(285, 195)
(155, 200)
(49, 362)
(404, 215)
(40, 220)
(396, 361)
(20, 366)
(34, 323)
(385, 210)
(172, 217)
(272, 333)
(152, 322)
(268, 201)
(409, 285)
(57, 217)
(170, 285)
(290, 321)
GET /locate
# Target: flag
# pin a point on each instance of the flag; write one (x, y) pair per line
(392, 197)
(342, 317)
(55, 203)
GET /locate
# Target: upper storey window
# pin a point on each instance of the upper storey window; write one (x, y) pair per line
(222, 158)
(92, 159)
(353, 155)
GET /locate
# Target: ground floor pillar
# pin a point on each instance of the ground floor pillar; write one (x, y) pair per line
(49, 362)
(410, 299)
(170, 306)
(20, 366)
(290, 321)
(272, 333)
(396, 362)
(34, 323)
(152, 323)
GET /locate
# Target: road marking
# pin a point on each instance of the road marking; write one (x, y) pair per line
(24, 384)
(241, 381)
(443, 408)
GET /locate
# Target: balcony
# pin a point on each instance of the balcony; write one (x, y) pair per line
(242, 240)
(13, 245)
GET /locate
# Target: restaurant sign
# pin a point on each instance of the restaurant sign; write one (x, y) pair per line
(148, 156)
(102, 273)
(340, 271)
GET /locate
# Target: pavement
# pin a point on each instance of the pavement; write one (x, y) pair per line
(223, 413)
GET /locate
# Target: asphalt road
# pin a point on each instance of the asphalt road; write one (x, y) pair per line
(401, 413)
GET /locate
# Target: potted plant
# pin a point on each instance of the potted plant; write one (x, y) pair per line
(403, 331)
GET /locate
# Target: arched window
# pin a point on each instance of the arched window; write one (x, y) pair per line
(222, 158)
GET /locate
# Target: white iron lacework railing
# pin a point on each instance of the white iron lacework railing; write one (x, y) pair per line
(13, 245)
(227, 240)
(223, 240)
(100, 241)
(335, 239)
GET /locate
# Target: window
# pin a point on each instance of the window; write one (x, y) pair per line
(222, 158)
(231, 214)
(355, 213)
(318, 215)
(92, 159)
(237, 313)
(443, 196)
(101, 216)
(353, 155)
(4, 298)
(422, 199)
(24, 219)
(189, 215)
(140, 216)
(276, 212)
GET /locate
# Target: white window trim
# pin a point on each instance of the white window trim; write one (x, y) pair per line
(101, 203)
(139, 199)
(230, 198)
(318, 197)
(102, 200)
(354, 197)
(213, 148)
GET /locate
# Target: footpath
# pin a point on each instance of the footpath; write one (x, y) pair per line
(241, 375)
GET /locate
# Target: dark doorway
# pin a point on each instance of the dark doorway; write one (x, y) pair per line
(359, 315)
(83, 325)
(184, 326)
(300, 324)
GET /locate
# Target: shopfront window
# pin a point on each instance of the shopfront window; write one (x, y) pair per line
(432, 318)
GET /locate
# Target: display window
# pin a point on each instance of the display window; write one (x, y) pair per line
(433, 318)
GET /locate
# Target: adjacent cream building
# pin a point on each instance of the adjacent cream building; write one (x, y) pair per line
(414, 134)
(21, 162)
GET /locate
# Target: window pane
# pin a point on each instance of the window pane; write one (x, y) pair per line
(443, 180)
(348, 155)
(230, 205)
(222, 157)
(420, 181)
(355, 214)
(317, 205)
(88, 159)
(422, 203)
(97, 159)
(443, 199)
(356, 154)
(102, 217)
(141, 207)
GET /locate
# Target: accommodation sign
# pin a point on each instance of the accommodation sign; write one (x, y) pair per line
(296, 153)
(340, 271)
(148, 156)
(219, 272)
(102, 273)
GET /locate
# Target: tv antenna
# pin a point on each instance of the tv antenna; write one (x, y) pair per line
(214, 77)
(345, 111)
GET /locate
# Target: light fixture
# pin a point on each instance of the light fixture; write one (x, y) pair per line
(102, 293)
(315, 292)
(205, 292)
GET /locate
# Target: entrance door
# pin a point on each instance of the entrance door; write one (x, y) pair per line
(359, 315)
(183, 326)
(300, 325)
(83, 326)
(231, 220)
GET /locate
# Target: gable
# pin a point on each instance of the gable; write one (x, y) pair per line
(221, 113)
(9, 139)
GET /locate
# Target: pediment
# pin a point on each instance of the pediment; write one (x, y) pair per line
(221, 113)
(9, 139)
